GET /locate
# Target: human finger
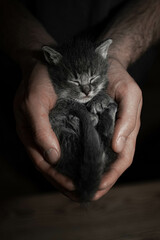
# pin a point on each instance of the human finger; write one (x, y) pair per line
(129, 99)
(123, 161)
(44, 167)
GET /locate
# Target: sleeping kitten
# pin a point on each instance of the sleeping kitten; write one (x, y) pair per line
(84, 116)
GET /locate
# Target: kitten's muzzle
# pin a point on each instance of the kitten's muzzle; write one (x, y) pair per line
(86, 89)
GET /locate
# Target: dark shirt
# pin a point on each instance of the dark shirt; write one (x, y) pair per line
(65, 18)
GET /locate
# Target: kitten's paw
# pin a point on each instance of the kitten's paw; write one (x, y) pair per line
(73, 119)
(94, 118)
(99, 106)
(99, 103)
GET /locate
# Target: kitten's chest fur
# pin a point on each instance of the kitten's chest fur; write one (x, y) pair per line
(84, 116)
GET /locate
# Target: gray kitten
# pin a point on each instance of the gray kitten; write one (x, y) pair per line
(84, 116)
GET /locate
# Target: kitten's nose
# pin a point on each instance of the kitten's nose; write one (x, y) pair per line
(86, 89)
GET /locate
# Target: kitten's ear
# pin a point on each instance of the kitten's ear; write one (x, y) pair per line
(102, 49)
(51, 55)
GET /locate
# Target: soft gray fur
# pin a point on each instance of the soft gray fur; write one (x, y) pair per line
(84, 116)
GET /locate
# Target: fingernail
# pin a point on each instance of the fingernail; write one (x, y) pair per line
(120, 143)
(51, 155)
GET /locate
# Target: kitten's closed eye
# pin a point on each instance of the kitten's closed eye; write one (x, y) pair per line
(74, 82)
(93, 79)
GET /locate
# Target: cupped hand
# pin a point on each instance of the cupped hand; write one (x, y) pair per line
(127, 94)
(34, 99)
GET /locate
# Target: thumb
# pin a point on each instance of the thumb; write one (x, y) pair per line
(130, 104)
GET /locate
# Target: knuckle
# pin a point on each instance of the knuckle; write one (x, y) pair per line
(38, 167)
(122, 87)
(26, 107)
(38, 164)
(28, 102)
(138, 92)
(129, 163)
(23, 107)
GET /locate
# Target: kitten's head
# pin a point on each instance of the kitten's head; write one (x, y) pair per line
(79, 69)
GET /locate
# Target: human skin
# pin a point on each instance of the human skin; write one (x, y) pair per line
(35, 96)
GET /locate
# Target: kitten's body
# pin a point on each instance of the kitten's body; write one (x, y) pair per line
(84, 115)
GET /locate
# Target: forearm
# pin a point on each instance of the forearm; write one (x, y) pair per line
(21, 33)
(135, 29)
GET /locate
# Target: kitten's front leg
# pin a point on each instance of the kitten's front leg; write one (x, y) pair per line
(94, 118)
(105, 129)
(107, 120)
(99, 103)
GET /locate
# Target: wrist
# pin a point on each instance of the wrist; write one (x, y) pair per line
(27, 58)
(122, 51)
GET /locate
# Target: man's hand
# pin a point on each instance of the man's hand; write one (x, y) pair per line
(34, 99)
(135, 29)
(129, 98)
